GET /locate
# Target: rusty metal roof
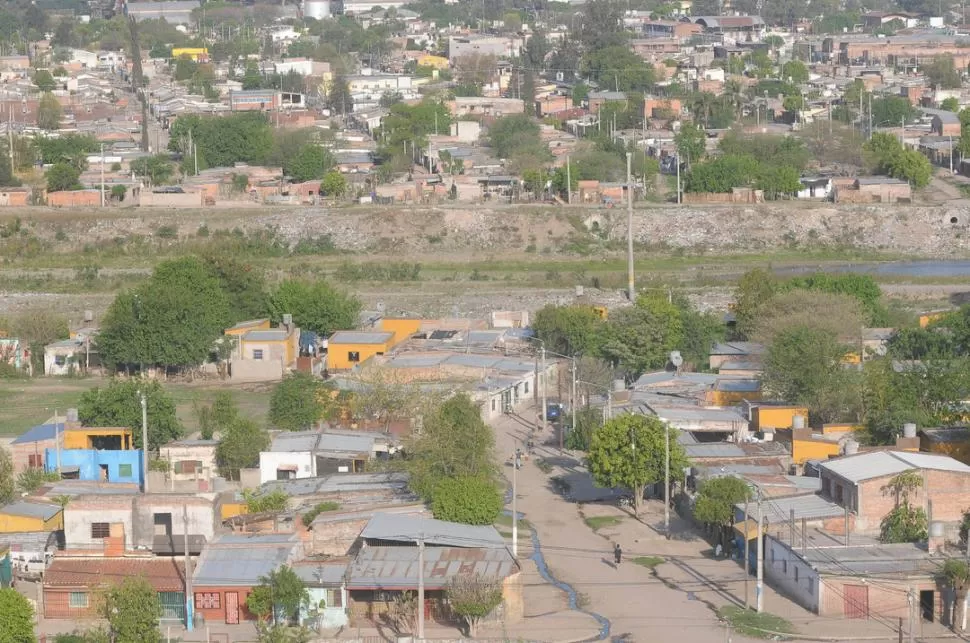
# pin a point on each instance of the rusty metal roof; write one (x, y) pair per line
(164, 574)
(397, 567)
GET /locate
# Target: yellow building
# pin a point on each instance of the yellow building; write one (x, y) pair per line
(348, 348)
(104, 439)
(429, 60)
(403, 329)
(31, 516)
(954, 442)
(275, 344)
(198, 54)
(730, 392)
(776, 417)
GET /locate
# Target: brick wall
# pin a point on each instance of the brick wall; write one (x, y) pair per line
(336, 539)
(887, 598)
(949, 491)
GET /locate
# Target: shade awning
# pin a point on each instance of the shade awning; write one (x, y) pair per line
(747, 529)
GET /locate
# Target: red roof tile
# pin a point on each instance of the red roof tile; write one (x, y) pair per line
(165, 574)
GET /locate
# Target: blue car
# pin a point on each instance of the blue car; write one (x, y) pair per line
(553, 411)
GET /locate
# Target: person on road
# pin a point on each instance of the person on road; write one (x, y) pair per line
(617, 553)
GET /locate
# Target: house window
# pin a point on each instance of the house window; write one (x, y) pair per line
(335, 598)
(796, 573)
(526, 388)
(207, 600)
(784, 567)
(78, 600)
(124, 470)
(493, 404)
(353, 356)
(35, 461)
(60, 360)
(100, 530)
(257, 353)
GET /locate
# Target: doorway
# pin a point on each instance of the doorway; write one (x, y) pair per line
(926, 597)
(104, 473)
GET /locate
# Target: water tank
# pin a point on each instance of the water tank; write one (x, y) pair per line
(317, 9)
(619, 385)
(909, 430)
(798, 422)
(851, 447)
(936, 529)
(72, 415)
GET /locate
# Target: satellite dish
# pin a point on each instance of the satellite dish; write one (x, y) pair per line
(676, 359)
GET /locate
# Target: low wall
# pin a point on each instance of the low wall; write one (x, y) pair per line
(170, 200)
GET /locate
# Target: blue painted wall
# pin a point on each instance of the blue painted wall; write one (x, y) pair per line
(89, 463)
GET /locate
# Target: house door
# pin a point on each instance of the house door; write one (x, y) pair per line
(232, 608)
(856, 601)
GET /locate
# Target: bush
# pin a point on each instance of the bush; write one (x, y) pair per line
(471, 501)
(309, 516)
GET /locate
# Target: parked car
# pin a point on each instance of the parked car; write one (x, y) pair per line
(553, 411)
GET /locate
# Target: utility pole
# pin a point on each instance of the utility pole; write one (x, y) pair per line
(667, 481)
(747, 556)
(102, 175)
(678, 177)
(144, 441)
(573, 404)
(760, 583)
(569, 179)
(195, 157)
(631, 292)
(421, 585)
(189, 595)
(911, 599)
(516, 463)
(951, 154)
(545, 385)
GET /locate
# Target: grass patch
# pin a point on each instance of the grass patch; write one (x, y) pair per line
(544, 466)
(599, 522)
(505, 520)
(648, 561)
(751, 623)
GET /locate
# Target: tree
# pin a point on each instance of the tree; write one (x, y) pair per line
(239, 446)
(119, 404)
(754, 290)
(49, 112)
(171, 321)
(295, 403)
(252, 77)
(629, 452)
(956, 574)
(310, 163)
(222, 141)
(640, 338)
(950, 104)
(580, 94)
(905, 523)
(157, 168)
(243, 283)
(911, 166)
(722, 174)
(892, 111)
(777, 181)
(339, 99)
(509, 134)
(30, 480)
(862, 287)
(45, 81)
(588, 420)
(837, 314)
(473, 597)
(804, 365)
(701, 330)
(218, 416)
(715, 503)
(795, 71)
(62, 177)
(942, 73)
(8, 487)
(132, 610)
(454, 443)
(274, 501)
(568, 330)
(315, 305)
(468, 500)
(691, 141)
(279, 596)
(334, 184)
(16, 618)
(7, 177)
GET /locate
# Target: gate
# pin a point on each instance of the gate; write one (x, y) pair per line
(856, 601)
(232, 608)
(173, 606)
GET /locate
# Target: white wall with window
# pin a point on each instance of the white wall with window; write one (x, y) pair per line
(286, 465)
(788, 572)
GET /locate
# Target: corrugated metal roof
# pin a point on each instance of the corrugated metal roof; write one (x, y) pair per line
(696, 414)
(339, 482)
(716, 450)
(273, 335)
(294, 441)
(238, 559)
(810, 506)
(404, 528)
(738, 348)
(865, 466)
(870, 560)
(317, 574)
(737, 386)
(359, 337)
(397, 567)
(29, 541)
(38, 433)
(416, 361)
(40, 510)
(348, 443)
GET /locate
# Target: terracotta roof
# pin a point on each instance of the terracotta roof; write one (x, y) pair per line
(165, 574)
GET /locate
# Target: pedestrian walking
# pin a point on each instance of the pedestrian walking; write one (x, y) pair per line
(617, 553)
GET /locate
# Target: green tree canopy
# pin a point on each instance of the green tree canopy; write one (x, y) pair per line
(295, 404)
(158, 168)
(334, 184)
(315, 305)
(715, 502)
(641, 337)
(222, 141)
(239, 446)
(509, 134)
(132, 610)
(473, 597)
(629, 452)
(722, 174)
(310, 163)
(49, 112)
(62, 177)
(468, 500)
(691, 141)
(44, 80)
(119, 404)
(173, 320)
(16, 618)
(617, 68)
(243, 283)
(454, 443)
(279, 596)
(8, 485)
(568, 330)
